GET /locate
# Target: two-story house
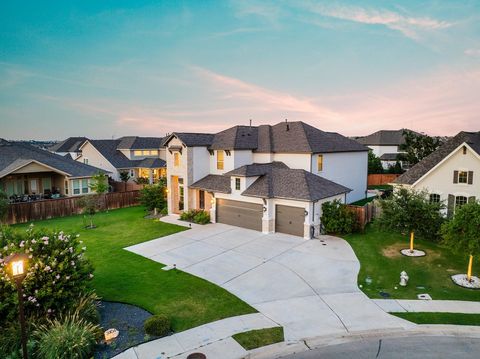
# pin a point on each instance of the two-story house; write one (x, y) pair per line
(69, 147)
(141, 157)
(267, 178)
(450, 174)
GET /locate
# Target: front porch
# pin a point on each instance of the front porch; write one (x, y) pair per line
(152, 175)
(25, 187)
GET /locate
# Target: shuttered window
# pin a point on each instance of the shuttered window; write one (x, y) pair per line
(462, 176)
(465, 177)
(434, 198)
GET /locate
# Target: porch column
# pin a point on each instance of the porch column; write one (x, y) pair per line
(213, 209)
(150, 176)
(268, 219)
(309, 221)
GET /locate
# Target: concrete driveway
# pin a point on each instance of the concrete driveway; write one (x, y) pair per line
(307, 286)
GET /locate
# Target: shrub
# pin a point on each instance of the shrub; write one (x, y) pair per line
(66, 337)
(409, 210)
(164, 211)
(153, 196)
(157, 325)
(57, 272)
(338, 218)
(142, 180)
(202, 217)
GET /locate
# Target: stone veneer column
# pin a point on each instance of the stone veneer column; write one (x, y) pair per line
(268, 219)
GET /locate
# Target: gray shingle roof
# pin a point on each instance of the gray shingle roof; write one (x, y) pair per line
(389, 157)
(294, 184)
(421, 168)
(236, 138)
(213, 183)
(139, 143)
(71, 144)
(108, 149)
(192, 139)
(256, 169)
(15, 155)
(384, 138)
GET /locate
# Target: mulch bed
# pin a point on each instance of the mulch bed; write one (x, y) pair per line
(128, 320)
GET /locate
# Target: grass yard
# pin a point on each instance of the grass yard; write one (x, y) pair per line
(380, 258)
(441, 318)
(381, 187)
(259, 338)
(127, 277)
(364, 201)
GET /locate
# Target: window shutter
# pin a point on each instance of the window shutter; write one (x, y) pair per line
(471, 199)
(450, 205)
(470, 177)
(455, 176)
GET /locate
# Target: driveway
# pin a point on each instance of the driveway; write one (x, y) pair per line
(307, 286)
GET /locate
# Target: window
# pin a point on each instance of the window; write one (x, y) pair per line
(462, 177)
(176, 159)
(85, 160)
(434, 198)
(137, 153)
(219, 160)
(181, 196)
(320, 163)
(84, 186)
(47, 184)
(201, 197)
(460, 201)
(464, 150)
(237, 184)
(153, 153)
(76, 186)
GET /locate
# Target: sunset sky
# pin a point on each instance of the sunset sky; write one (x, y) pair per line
(112, 68)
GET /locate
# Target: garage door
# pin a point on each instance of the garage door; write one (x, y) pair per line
(289, 220)
(240, 214)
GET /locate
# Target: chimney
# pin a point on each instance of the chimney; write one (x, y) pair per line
(250, 123)
(288, 126)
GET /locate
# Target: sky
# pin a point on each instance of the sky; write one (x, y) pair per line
(106, 69)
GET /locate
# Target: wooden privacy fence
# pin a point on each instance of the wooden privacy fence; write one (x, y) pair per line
(365, 214)
(378, 179)
(126, 187)
(62, 207)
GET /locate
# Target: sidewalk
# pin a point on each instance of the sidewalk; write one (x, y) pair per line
(440, 306)
(214, 338)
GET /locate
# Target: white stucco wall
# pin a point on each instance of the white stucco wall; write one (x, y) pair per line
(294, 160)
(262, 157)
(235, 160)
(201, 163)
(440, 179)
(349, 169)
(96, 159)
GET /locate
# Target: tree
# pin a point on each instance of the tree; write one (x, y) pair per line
(462, 232)
(396, 168)
(338, 218)
(374, 163)
(154, 196)
(124, 177)
(408, 210)
(417, 146)
(90, 204)
(3, 205)
(99, 185)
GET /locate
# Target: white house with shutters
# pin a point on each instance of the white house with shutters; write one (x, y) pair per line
(450, 174)
(266, 178)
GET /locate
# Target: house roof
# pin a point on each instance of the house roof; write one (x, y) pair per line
(213, 183)
(109, 150)
(138, 143)
(256, 169)
(191, 139)
(384, 138)
(236, 138)
(294, 184)
(429, 162)
(71, 144)
(389, 157)
(16, 155)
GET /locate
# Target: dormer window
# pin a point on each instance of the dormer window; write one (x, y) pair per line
(220, 160)
(237, 184)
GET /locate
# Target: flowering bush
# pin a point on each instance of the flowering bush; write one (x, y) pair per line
(56, 275)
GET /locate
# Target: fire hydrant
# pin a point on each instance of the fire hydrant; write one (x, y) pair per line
(403, 279)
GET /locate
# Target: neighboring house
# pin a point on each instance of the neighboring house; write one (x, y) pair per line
(268, 178)
(69, 147)
(141, 157)
(450, 174)
(28, 170)
(385, 144)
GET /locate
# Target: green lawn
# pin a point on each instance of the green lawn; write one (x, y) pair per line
(441, 318)
(381, 187)
(363, 202)
(380, 258)
(259, 338)
(126, 277)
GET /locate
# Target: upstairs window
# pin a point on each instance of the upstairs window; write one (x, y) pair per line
(462, 176)
(237, 184)
(176, 159)
(220, 160)
(137, 153)
(465, 177)
(434, 198)
(320, 163)
(85, 160)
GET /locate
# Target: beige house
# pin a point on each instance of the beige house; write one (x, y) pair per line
(451, 174)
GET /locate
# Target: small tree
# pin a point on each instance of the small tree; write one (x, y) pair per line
(90, 204)
(409, 210)
(154, 196)
(462, 233)
(418, 146)
(338, 218)
(3, 205)
(99, 184)
(374, 163)
(124, 177)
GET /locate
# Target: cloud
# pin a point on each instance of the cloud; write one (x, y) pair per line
(472, 52)
(407, 25)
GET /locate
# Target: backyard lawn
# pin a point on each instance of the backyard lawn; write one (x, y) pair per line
(127, 277)
(380, 259)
